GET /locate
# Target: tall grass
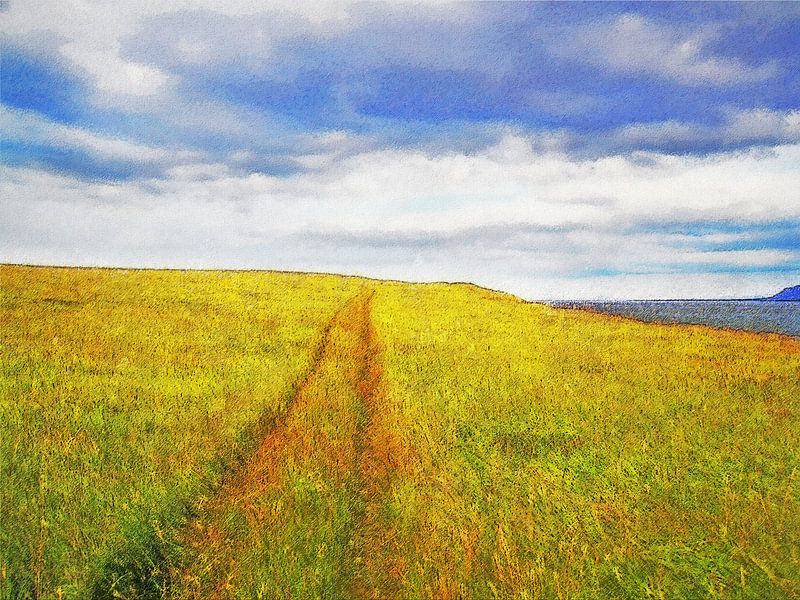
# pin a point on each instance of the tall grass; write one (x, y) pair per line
(124, 398)
(284, 525)
(549, 453)
(204, 434)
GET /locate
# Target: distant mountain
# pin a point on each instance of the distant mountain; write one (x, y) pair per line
(790, 294)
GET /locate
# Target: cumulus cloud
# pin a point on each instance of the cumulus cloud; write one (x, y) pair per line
(507, 214)
(632, 44)
(89, 38)
(200, 32)
(113, 75)
(738, 127)
(762, 124)
(30, 128)
(549, 155)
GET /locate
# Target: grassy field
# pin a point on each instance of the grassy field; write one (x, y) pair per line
(126, 397)
(552, 453)
(260, 435)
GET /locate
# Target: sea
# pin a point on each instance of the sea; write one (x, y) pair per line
(747, 315)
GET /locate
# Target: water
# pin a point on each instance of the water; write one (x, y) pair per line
(749, 315)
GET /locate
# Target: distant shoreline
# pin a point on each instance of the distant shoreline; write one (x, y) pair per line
(770, 300)
(756, 315)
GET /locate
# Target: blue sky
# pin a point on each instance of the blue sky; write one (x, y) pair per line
(555, 150)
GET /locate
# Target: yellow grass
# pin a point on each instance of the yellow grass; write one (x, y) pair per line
(125, 397)
(167, 434)
(284, 525)
(558, 453)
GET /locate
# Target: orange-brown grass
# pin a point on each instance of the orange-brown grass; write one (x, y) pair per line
(124, 398)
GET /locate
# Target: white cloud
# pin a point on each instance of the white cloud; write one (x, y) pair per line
(510, 217)
(88, 35)
(520, 215)
(621, 287)
(29, 127)
(115, 76)
(738, 126)
(632, 44)
(91, 35)
(762, 124)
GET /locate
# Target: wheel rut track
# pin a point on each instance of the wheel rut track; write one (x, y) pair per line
(330, 440)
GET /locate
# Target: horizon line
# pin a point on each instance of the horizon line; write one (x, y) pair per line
(549, 301)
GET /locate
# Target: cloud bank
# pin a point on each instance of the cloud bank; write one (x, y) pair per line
(552, 152)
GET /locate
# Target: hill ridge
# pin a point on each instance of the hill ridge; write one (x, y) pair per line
(789, 294)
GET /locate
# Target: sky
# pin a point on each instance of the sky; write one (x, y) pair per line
(551, 150)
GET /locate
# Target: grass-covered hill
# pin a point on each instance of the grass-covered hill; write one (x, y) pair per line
(173, 434)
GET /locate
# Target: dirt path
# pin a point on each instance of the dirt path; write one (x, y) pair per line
(381, 459)
(301, 517)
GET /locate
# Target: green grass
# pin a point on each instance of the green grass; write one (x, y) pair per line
(284, 524)
(220, 434)
(125, 397)
(564, 454)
